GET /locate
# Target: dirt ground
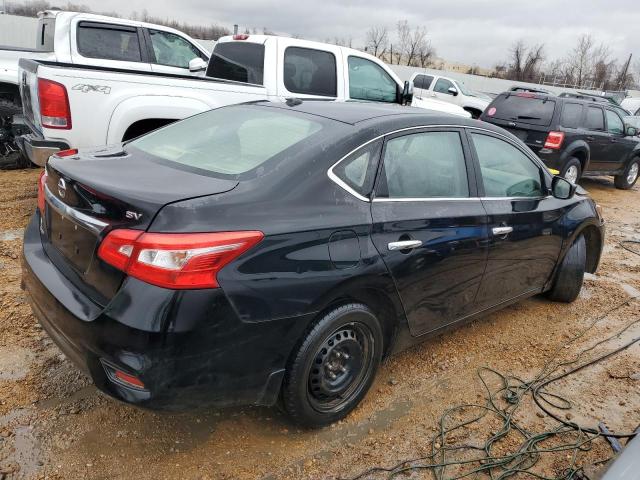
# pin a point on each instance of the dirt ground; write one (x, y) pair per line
(54, 424)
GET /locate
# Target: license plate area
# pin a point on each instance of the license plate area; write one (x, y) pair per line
(76, 243)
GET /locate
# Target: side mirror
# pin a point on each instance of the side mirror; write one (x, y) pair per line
(453, 91)
(407, 93)
(197, 65)
(562, 188)
(631, 131)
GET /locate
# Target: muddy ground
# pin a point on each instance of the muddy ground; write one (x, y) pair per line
(54, 424)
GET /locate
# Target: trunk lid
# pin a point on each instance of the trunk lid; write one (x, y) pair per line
(95, 191)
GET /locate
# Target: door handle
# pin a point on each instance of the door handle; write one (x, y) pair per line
(404, 245)
(501, 231)
(591, 139)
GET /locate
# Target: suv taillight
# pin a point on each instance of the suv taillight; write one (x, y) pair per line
(54, 105)
(554, 140)
(175, 260)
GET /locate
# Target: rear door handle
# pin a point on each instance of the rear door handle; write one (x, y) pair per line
(404, 245)
(501, 231)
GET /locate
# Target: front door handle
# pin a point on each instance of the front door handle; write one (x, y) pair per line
(404, 245)
(501, 231)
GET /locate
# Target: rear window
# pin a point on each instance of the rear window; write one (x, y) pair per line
(309, 71)
(523, 108)
(238, 61)
(111, 42)
(228, 141)
(571, 115)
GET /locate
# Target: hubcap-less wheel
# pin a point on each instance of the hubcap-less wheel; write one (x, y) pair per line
(340, 367)
(571, 174)
(633, 173)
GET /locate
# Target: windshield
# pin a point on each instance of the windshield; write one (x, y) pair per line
(228, 141)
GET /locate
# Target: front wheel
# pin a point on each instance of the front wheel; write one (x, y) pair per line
(629, 177)
(333, 367)
(570, 275)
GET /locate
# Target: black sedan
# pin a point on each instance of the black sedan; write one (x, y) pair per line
(278, 251)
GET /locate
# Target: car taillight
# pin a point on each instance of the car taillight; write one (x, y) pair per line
(54, 105)
(554, 140)
(175, 260)
(67, 153)
(41, 182)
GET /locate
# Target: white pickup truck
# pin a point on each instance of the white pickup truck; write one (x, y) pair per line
(87, 39)
(450, 90)
(71, 106)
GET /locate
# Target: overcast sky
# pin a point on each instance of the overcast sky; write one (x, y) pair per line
(469, 31)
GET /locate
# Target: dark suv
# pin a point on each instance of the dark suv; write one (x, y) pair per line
(570, 135)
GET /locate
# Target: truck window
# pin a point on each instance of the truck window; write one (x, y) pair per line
(443, 85)
(111, 42)
(238, 61)
(172, 50)
(423, 81)
(595, 119)
(571, 115)
(309, 71)
(368, 81)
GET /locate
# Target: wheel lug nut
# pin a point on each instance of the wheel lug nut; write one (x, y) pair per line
(332, 376)
(345, 356)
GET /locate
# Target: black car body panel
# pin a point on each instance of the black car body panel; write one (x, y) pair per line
(322, 246)
(599, 150)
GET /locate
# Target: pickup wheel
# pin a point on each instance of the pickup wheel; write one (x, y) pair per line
(10, 155)
(572, 170)
(570, 275)
(8, 108)
(629, 177)
(333, 367)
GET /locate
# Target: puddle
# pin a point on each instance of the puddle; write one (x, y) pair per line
(14, 363)
(9, 235)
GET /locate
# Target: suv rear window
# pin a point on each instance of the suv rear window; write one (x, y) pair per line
(228, 141)
(524, 108)
(237, 61)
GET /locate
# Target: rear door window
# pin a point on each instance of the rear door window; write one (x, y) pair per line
(614, 123)
(111, 42)
(423, 81)
(571, 115)
(594, 119)
(311, 72)
(524, 108)
(238, 61)
(425, 165)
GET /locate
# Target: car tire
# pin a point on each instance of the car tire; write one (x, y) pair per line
(333, 367)
(570, 275)
(630, 175)
(573, 167)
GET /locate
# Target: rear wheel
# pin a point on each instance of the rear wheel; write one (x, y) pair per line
(10, 155)
(572, 170)
(333, 367)
(568, 281)
(630, 175)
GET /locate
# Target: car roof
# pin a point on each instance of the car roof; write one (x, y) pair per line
(354, 112)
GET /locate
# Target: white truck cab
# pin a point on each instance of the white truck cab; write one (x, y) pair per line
(449, 90)
(74, 106)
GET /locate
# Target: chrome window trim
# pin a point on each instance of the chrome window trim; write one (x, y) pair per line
(463, 199)
(93, 224)
(334, 178)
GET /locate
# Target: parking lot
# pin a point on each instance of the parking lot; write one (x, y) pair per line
(54, 423)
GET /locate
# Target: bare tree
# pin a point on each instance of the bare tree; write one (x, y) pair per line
(525, 61)
(377, 41)
(426, 53)
(412, 42)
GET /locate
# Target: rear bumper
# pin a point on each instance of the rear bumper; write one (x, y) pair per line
(189, 348)
(39, 150)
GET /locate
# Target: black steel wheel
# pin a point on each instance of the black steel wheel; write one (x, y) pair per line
(333, 367)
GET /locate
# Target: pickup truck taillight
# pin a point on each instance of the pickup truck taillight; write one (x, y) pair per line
(175, 260)
(554, 140)
(54, 105)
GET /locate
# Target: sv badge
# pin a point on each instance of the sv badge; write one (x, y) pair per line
(133, 215)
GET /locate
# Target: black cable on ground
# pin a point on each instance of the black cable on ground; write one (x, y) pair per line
(624, 244)
(573, 438)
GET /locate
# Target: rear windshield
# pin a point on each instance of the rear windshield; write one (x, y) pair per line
(237, 61)
(523, 109)
(228, 141)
